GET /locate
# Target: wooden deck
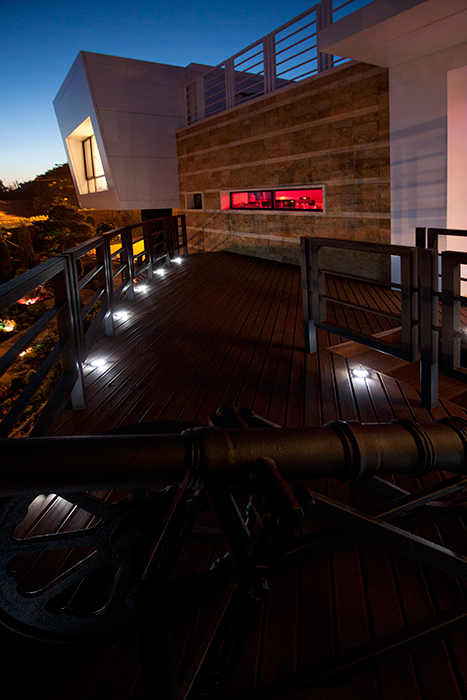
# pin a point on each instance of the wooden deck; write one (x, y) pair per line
(227, 329)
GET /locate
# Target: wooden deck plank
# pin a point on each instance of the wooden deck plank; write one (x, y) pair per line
(226, 329)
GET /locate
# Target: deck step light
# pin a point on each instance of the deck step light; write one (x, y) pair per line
(99, 362)
(360, 372)
(121, 315)
(160, 271)
(178, 261)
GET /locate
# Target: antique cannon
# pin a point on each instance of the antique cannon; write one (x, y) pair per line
(131, 504)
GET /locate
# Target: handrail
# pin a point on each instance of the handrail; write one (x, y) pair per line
(160, 240)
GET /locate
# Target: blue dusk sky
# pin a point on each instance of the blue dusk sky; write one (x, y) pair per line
(40, 41)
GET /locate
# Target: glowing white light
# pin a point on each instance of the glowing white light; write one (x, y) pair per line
(178, 261)
(361, 373)
(160, 272)
(121, 315)
(98, 363)
(142, 288)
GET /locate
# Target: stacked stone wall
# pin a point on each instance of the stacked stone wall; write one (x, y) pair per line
(331, 130)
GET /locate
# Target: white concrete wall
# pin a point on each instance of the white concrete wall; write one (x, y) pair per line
(73, 105)
(419, 109)
(135, 107)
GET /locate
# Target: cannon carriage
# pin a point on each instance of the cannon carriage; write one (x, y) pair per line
(139, 513)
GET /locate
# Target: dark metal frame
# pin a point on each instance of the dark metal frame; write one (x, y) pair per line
(315, 297)
(232, 455)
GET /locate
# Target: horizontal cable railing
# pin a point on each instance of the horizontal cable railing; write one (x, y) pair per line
(81, 304)
(284, 57)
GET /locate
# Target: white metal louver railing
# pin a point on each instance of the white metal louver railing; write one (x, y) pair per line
(285, 56)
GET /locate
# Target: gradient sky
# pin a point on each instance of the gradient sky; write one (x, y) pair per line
(40, 40)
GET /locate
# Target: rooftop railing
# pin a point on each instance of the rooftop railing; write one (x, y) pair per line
(81, 305)
(283, 57)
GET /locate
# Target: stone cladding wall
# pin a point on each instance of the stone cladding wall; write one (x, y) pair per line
(331, 130)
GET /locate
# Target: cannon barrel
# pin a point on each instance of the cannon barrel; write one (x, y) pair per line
(216, 457)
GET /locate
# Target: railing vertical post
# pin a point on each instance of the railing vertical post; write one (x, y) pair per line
(451, 323)
(167, 241)
(229, 83)
(129, 262)
(106, 282)
(428, 289)
(323, 19)
(149, 248)
(70, 329)
(269, 62)
(200, 101)
(409, 303)
(420, 237)
(184, 237)
(310, 292)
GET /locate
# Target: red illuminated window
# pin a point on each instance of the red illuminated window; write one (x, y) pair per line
(299, 199)
(290, 199)
(251, 200)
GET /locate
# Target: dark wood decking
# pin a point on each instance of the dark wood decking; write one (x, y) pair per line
(226, 329)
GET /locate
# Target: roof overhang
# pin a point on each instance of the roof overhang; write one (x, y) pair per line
(390, 33)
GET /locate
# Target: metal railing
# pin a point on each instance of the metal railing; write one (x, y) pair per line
(427, 314)
(284, 57)
(443, 273)
(316, 297)
(83, 306)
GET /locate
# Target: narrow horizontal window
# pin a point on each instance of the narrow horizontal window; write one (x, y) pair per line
(308, 199)
(251, 200)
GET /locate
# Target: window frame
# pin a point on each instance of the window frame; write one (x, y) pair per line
(272, 191)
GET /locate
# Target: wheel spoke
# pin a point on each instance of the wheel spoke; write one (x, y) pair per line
(68, 578)
(95, 506)
(59, 540)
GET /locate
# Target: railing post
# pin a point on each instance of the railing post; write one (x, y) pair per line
(323, 19)
(451, 305)
(70, 329)
(409, 303)
(309, 265)
(429, 335)
(269, 62)
(149, 249)
(229, 83)
(420, 237)
(129, 270)
(167, 242)
(106, 282)
(184, 237)
(200, 101)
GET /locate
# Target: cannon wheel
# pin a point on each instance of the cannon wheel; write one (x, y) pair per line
(67, 565)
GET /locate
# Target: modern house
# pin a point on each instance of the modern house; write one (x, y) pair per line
(377, 142)
(347, 580)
